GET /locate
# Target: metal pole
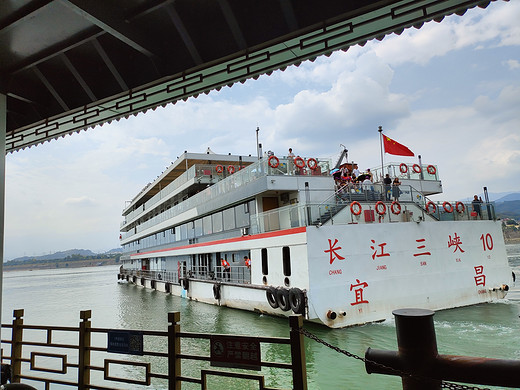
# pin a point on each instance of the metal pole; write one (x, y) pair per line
(3, 130)
(381, 147)
(417, 346)
(257, 145)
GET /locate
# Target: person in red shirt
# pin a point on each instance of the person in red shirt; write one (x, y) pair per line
(247, 262)
(226, 273)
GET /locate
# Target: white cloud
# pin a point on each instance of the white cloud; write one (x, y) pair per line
(70, 193)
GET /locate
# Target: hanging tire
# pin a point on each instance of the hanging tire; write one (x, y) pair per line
(271, 297)
(297, 300)
(282, 298)
(216, 291)
(185, 283)
(167, 287)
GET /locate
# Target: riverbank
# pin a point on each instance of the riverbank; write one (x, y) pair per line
(60, 264)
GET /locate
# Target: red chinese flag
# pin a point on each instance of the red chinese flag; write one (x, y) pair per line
(393, 147)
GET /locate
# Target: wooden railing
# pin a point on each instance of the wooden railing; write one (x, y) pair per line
(44, 355)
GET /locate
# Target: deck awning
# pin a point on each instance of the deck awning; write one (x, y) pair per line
(68, 65)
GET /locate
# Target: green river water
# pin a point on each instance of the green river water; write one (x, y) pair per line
(55, 297)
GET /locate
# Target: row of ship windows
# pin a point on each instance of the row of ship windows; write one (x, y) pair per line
(232, 218)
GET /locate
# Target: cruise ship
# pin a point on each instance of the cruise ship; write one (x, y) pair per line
(281, 234)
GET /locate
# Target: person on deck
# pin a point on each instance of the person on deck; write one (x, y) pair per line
(290, 162)
(388, 184)
(247, 262)
(476, 206)
(396, 191)
(226, 272)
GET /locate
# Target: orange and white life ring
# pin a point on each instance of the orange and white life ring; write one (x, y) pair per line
(460, 207)
(219, 168)
(448, 207)
(355, 208)
(403, 168)
(298, 161)
(273, 161)
(231, 169)
(434, 207)
(395, 207)
(416, 168)
(312, 163)
(380, 208)
(431, 169)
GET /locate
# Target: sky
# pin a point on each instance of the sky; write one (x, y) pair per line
(449, 91)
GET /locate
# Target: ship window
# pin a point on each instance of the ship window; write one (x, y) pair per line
(229, 218)
(198, 228)
(184, 231)
(286, 260)
(216, 219)
(241, 217)
(265, 268)
(206, 224)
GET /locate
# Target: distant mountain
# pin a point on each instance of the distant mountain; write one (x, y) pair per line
(510, 197)
(508, 209)
(64, 254)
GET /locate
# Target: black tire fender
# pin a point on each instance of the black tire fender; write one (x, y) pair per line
(270, 294)
(185, 283)
(216, 291)
(297, 300)
(282, 298)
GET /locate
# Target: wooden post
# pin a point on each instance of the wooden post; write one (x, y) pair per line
(16, 346)
(174, 350)
(84, 350)
(299, 368)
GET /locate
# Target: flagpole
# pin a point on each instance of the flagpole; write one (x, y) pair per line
(381, 146)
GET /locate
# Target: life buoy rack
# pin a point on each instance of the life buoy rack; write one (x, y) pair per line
(298, 161)
(380, 210)
(312, 163)
(282, 298)
(430, 203)
(219, 168)
(231, 169)
(355, 208)
(403, 168)
(273, 161)
(448, 207)
(459, 206)
(416, 168)
(297, 300)
(395, 207)
(270, 294)
(185, 283)
(431, 169)
(216, 291)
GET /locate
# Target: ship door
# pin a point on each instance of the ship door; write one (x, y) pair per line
(145, 264)
(271, 220)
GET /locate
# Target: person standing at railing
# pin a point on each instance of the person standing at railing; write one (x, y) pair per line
(290, 162)
(226, 269)
(247, 262)
(388, 185)
(476, 206)
(396, 191)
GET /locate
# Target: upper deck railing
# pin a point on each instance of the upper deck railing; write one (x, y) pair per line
(406, 171)
(377, 202)
(212, 197)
